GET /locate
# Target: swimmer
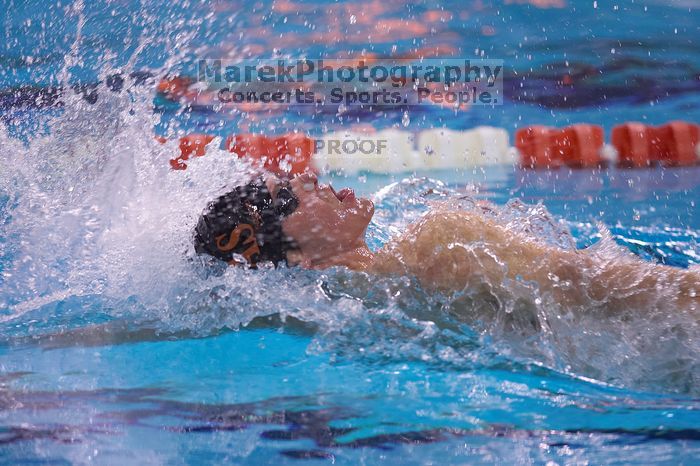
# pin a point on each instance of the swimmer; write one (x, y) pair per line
(303, 223)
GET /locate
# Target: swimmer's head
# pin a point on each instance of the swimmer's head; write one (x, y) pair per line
(244, 225)
(297, 221)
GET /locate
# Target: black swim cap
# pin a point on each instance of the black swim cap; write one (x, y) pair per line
(248, 223)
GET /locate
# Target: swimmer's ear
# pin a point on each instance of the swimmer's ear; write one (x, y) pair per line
(307, 264)
(296, 258)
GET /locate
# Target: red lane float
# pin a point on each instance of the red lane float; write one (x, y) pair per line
(640, 145)
(253, 146)
(536, 145)
(176, 88)
(581, 145)
(294, 152)
(676, 142)
(285, 155)
(577, 146)
(633, 144)
(190, 145)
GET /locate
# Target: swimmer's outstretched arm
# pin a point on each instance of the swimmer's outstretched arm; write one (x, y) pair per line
(453, 250)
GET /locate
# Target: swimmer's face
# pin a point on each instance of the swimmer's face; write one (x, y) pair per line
(326, 222)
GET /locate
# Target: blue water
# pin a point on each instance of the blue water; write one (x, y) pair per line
(117, 346)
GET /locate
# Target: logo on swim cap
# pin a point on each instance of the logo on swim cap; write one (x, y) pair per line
(234, 238)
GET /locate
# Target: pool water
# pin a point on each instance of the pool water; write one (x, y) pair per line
(118, 345)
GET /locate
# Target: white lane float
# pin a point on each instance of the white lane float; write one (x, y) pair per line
(397, 151)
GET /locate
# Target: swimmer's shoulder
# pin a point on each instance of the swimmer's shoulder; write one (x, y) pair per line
(450, 225)
(434, 230)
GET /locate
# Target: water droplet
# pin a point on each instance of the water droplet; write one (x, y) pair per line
(353, 19)
(405, 120)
